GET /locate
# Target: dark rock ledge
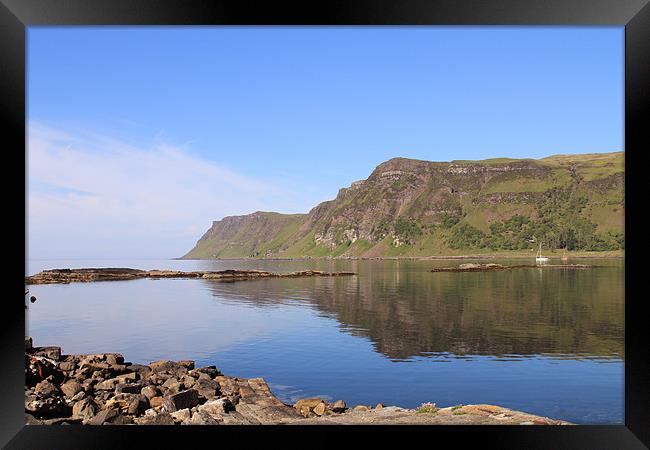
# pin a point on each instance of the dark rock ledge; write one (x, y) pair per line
(103, 389)
(109, 274)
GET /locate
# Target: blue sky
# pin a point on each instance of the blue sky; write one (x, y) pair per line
(231, 120)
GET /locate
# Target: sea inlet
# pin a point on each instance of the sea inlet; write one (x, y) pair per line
(548, 342)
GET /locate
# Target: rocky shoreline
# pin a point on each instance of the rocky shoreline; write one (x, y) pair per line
(104, 389)
(470, 267)
(54, 276)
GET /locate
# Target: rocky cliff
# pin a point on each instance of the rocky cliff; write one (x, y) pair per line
(421, 208)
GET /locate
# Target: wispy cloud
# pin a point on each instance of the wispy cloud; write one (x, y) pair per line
(95, 196)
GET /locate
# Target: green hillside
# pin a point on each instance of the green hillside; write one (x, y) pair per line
(409, 207)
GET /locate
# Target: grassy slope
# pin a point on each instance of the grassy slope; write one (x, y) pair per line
(605, 208)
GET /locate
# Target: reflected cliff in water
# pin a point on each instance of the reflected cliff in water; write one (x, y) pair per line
(407, 311)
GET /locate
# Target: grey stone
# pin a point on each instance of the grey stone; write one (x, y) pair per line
(128, 388)
(84, 408)
(181, 400)
(102, 416)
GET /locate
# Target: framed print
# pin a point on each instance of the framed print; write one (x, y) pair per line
(401, 218)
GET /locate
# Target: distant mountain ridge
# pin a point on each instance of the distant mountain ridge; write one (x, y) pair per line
(409, 207)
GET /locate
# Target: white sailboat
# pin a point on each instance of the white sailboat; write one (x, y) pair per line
(539, 258)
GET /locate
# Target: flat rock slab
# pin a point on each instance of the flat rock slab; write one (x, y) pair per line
(467, 415)
(498, 267)
(55, 276)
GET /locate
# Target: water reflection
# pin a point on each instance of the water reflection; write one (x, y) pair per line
(407, 313)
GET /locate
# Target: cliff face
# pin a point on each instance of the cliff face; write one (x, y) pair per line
(248, 235)
(412, 207)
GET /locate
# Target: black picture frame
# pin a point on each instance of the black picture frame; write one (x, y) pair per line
(634, 15)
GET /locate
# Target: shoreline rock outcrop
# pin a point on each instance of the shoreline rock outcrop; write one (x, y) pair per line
(471, 267)
(54, 276)
(104, 389)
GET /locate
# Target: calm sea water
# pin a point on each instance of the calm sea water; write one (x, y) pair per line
(549, 342)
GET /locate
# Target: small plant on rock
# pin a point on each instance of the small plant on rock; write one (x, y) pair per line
(427, 408)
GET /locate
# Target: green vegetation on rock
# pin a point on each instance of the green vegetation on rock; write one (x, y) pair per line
(410, 207)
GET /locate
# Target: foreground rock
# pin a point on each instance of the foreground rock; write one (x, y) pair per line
(472, 267)
(119, 274)
(103, 389)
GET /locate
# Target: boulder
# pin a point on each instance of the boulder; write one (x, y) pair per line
(181, 400)
(307, 405)
(103, 416)
(114, 359)
(181, 415)
(84, 408)
(188, 381)
(189, 365)
(320, 409)
(131, 376)
(119, 369)
(150, 391)
(156, 402)
(71, 388)
(202, 418)
(338, 406)
(172, 383)
(143, 371)
(163, 418)
(128, 403)
(78, 396)
(210, 371)
(47, 389)
(68, 366)
(128, 388)
(108, 385)
(207, 388)
(217, 407)
(361, 408)
(167, 366)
